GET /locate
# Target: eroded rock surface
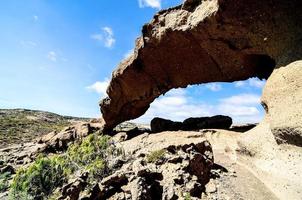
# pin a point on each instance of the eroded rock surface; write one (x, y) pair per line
(179, 171)
(200, 42)
(282, 98)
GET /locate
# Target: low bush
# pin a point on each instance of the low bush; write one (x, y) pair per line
(90, 155)
(4, 181)
(47, 173)
(156, 156)
(188, 196)
(39, 179)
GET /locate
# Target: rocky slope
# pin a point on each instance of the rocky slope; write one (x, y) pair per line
(22, 125)
(200, 164)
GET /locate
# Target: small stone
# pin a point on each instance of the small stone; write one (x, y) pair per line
(8, 169)
(211, 187)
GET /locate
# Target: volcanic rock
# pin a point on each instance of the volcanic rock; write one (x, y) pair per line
(215, 122)
(201, 42)
(158, 125)
(161, 180)
(58, 141)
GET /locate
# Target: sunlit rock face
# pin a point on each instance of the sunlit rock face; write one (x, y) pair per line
(200, 42)
(282, 98)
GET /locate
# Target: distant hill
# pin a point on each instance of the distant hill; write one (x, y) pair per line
(23, 125)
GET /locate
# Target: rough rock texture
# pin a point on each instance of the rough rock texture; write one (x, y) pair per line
(73, 189)
(58, 141)
(275, 143)
(159, 124)
(200, 42)
(179, 171)
(232, 179)
(282, 98)
(197, 123)
(215, 122)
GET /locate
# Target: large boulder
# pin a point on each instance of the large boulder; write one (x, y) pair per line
(215, 122)
(282, 99)
(158, 125)
(194, 123)
(199, 42)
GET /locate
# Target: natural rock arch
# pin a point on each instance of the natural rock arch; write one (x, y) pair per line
(203, 41)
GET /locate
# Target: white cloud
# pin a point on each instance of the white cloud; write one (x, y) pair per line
(106, 37)
(177, 105)
(252, 82)
(150, 3)
(35, 18)
(215, 87)
(52, 56)
(235, 110)
(255, 82)
(242, 108)
(100, 87)
(242, 99)
(240, 83)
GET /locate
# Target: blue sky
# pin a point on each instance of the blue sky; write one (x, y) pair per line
(58, 55)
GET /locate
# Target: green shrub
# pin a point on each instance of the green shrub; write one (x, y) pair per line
(92, 154)
(156, 155)
(188, 196)
(88, 150)
(39, 179)
(4, 181)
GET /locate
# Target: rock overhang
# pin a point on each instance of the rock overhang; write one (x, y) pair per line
(202, 42)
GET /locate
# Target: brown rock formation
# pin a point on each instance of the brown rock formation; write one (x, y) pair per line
(199, 42)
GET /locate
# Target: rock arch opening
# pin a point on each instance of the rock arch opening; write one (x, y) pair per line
(128, 100)
(214, 41)
(239, 100)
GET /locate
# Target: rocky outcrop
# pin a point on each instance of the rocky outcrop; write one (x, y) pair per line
(179, 171)
(282, 99)
(200, 42)
(73, 189)
(197, 123)
(59, 141)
